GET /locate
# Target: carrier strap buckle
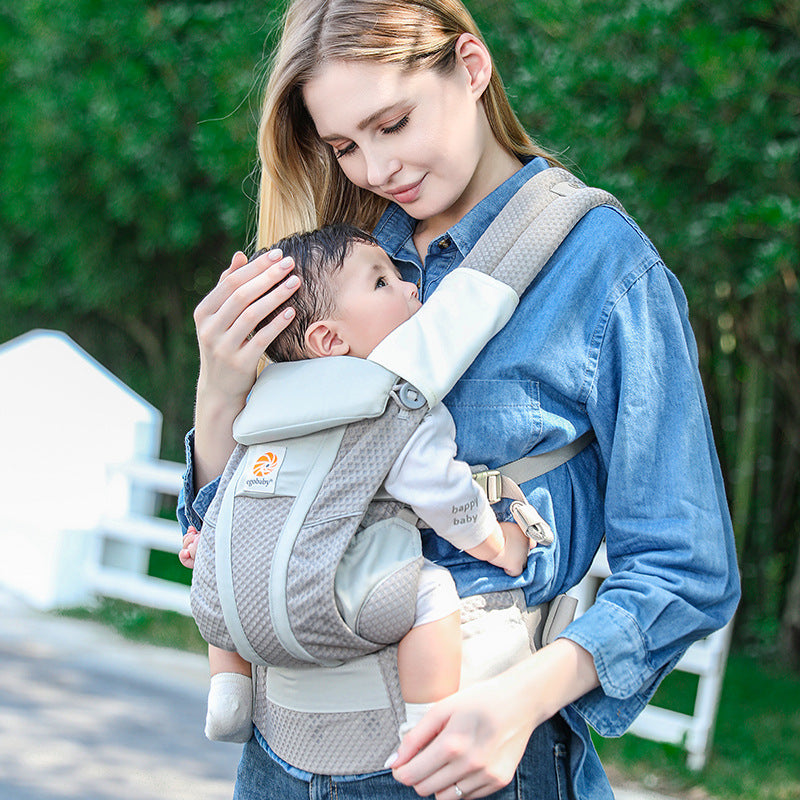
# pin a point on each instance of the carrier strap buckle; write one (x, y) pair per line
(491, 481)
(532, 523)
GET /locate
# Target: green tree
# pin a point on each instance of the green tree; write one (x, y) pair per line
(128, 140)
(690, 112)
(127, 135)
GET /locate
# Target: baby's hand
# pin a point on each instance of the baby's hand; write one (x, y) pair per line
(514, 557)
(189, 547)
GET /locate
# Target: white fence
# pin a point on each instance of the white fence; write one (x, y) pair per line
(706, 658)
(133, 534)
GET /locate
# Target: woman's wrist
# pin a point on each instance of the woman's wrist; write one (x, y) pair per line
(213, 435)
(553, 677)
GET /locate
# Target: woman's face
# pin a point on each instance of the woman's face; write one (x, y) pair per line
(415, 137)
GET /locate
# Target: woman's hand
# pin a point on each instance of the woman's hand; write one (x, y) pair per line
(245, 294)
(476, 737)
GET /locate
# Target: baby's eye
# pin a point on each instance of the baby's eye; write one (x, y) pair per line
(380, 283)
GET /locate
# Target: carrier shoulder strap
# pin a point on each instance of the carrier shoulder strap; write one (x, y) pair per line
(473, 302)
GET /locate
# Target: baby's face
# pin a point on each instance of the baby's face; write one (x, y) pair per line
(371, 299)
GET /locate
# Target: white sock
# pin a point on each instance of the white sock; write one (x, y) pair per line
(230, 708)
(414, 713)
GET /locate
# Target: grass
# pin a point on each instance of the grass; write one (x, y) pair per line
(141, 624)
(756, 753)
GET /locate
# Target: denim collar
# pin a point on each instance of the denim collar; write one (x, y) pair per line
(396, 227)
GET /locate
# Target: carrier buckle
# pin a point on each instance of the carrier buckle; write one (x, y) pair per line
(491, 481)
(531, 522)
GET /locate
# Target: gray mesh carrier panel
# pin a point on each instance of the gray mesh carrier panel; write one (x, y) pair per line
(337, 743)
(367, 451)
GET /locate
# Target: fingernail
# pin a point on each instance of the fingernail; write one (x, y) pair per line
(275, 254)
(389, 761)
(290, 283)
(289, 313)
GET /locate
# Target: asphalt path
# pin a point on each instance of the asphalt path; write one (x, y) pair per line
(85, 714)
(88, 715)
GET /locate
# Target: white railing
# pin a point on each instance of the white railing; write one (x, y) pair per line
(123, 543)
(135, 534)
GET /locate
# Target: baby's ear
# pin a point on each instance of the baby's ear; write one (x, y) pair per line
(322, 339)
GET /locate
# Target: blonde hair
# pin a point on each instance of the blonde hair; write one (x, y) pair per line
(301, 185)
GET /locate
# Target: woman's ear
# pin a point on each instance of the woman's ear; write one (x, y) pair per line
(322, 339)
(474, 55)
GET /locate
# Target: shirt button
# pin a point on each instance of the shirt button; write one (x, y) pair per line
(444, 242)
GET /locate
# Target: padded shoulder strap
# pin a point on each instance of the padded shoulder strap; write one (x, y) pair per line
(472, 303)
(531, 226)
(296, 398)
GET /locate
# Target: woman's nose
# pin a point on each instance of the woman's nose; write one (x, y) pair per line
(380, 167)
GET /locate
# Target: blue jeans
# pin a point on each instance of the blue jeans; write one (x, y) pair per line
(543, 774)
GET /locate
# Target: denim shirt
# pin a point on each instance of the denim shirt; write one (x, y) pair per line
(601, 340)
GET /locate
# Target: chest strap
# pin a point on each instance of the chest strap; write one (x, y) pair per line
(504, 482)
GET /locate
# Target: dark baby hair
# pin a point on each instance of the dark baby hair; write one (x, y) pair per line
(318, 255)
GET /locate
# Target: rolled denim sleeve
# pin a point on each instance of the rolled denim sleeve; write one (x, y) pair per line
(668, 532)
(192, 507)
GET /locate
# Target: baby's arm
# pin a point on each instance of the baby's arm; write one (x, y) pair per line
(428, 477)
(506, 548)
(230, 697)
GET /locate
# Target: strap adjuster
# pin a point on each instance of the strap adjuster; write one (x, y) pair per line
(491, 481)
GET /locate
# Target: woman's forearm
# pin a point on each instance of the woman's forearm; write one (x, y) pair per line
(554, 677)
(213, 435)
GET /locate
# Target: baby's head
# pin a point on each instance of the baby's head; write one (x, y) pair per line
(350, 298)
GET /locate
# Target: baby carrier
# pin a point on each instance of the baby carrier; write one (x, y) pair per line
(304, 567)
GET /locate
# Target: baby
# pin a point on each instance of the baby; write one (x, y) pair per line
(350, 299)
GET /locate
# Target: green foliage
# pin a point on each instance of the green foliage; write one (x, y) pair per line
(128, 140)
(689, 111)
(756, 745)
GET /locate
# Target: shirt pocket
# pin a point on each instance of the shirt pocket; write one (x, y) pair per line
(497, 421)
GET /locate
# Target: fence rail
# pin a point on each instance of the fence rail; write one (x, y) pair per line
(141, 533)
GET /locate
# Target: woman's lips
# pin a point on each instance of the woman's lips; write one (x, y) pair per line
(406, 194)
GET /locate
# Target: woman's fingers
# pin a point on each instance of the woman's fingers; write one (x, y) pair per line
(474, 738)
(240, 286)
(257, 300)
(227, 316)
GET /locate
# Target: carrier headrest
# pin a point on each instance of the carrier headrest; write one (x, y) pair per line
(434, 348)
(296, 398)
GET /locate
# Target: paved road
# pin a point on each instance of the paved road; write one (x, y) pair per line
(87, 715)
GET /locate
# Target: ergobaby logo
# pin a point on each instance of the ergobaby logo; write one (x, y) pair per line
(265, 465)
(261, 470)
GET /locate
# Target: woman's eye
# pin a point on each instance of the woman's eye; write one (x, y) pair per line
(399, 125)
(344, 150)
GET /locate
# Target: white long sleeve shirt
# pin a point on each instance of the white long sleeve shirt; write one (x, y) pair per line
(438, 487)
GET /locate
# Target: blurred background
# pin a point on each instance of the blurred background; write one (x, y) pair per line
(128, 175)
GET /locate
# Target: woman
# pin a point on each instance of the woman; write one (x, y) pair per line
(389, 114)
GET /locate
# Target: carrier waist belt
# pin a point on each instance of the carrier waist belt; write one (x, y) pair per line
(324, 720)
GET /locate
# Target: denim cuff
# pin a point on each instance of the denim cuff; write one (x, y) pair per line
(627, 682)
(192, 507)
